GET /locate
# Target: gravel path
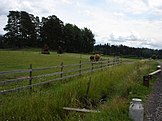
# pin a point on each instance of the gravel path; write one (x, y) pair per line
(153, 107)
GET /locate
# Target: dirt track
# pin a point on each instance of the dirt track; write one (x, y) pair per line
(153, 106)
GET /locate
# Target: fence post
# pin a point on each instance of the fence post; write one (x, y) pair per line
(80, 67)
(108, 62)
(92, 68)
(101, 65)
(88, 87)
(118, 60)
(30, 75)
(146, 81)
(62, 67)
(114, 61)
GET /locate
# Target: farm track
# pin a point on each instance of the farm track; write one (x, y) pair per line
(153, 106)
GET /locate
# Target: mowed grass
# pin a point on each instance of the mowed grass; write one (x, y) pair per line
(11, 60)
(110, 92)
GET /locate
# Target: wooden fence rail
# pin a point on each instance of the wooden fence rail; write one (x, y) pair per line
(147, 78)
(60, 72)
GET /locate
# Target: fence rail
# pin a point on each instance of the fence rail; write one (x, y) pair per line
(147, 78)
(60, 72)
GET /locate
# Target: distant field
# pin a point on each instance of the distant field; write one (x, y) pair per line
(11, 60)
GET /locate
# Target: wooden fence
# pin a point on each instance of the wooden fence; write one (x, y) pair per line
(27, 79)
(147, 78)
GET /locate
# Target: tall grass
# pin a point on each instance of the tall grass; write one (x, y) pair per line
(110, 92)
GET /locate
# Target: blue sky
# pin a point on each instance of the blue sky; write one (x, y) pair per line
(136, 23)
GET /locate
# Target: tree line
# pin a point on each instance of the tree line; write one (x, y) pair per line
(125, 51)
(25, 30)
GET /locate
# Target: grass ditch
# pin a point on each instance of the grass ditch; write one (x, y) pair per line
(110, 92)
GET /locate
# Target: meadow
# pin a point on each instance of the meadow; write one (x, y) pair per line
(110, 90)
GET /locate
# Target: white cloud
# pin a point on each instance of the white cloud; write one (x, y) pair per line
(67, 1)
(132, 6)
(155, 3)
(3, 22)
(121, 18)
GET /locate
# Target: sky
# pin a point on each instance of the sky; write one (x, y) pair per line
(134, 23)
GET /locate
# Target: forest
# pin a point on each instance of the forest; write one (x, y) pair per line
(130, 52)
(25, 30)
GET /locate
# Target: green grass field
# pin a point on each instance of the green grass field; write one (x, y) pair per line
(110, 90)
(11, 60)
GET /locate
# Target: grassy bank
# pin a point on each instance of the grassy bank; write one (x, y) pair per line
(110, 92)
